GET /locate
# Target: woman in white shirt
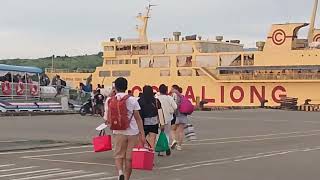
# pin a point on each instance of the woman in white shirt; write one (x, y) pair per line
(168, 106)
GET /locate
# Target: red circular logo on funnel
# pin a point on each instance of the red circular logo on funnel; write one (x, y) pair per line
(279, 37)
(316, 38)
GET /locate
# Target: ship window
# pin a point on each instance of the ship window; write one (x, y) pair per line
(140, 49)
(115, 62)
(186, 48)
(104, 74)
(120, 73)
(184, 72)
(146, 62)
(184, 61)
(173, 48)
(157, 48)
(248, 59)
(161, 62)
(108, 48)
(121, 61)
(134, 61)
(165, 73)
(207, 61)
(230, 60)
(108, 62)
(128, 61)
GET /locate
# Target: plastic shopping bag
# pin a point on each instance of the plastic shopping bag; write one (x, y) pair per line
(162, 144)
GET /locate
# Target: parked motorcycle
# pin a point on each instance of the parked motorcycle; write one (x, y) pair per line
(86, 108)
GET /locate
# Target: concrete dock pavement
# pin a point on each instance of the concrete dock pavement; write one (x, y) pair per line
(244, 144)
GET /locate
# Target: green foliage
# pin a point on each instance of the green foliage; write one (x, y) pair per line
(60, 62)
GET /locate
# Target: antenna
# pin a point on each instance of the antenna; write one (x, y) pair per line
(313, 21)
(144, 19)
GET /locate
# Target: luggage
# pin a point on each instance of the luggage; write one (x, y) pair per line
(102, 142)
(142, 158)
(162, 144)
(186, 106)
(189, 132)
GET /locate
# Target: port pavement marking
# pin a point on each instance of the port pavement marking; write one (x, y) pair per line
(44, 150)
(252, 140)
(51, 175)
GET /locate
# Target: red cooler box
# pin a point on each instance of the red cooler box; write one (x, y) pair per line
(142, 159)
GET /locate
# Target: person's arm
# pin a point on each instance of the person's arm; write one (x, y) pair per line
(138, 119)
(173, 104)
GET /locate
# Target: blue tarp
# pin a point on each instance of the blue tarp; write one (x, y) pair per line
(4, 67)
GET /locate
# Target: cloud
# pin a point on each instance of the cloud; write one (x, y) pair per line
(36, 28)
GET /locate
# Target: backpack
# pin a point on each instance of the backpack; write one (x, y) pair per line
(185, 106)
(118, 113)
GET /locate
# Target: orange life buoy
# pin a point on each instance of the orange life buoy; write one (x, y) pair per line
(20, 88)
(6, 88)
(34, 90)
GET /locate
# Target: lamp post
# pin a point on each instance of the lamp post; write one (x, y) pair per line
(52, 63)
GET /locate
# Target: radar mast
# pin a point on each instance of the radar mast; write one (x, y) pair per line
(142, 29)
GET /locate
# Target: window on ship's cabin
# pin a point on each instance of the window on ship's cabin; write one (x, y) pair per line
(186, 48)
(104, 74)
(108, 48)
(173, 48)
(120, 73)
(134, 61)
(230, 59)
(184, 61)
(115, 62)
(140, 49)
(207, 61)
(184, 72)
(248, 59)
(145, 62)
(157, 48)
(108, 62)
(160, 62)
(128, 61)
(121, 61)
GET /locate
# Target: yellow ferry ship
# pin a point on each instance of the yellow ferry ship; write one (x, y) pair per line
(220, 72)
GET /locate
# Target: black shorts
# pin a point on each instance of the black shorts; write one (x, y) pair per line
(151, 129)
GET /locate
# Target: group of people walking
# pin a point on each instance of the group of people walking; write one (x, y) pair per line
(145, 123)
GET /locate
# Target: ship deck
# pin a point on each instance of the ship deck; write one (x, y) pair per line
(242, 145)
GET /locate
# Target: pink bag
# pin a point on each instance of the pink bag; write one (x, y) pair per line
(142, 158)
(102, 142)
(185, 106)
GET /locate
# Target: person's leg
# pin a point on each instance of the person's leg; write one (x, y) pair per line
(152, 140)
(173, 136)
(132, 142)
(121, 143)
(180, 134)
(167, 130)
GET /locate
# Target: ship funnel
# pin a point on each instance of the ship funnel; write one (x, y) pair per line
(260, 45)
(177, 36)
(219, 38)
(312, 22)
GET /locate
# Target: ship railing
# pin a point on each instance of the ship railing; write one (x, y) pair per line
(50, 70)
(263, 76)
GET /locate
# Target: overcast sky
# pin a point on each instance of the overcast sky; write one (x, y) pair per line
(38, 28)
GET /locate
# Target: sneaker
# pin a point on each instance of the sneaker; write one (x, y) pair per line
(121, 177)
(168, 152)
(179, 148)
(174, 144)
